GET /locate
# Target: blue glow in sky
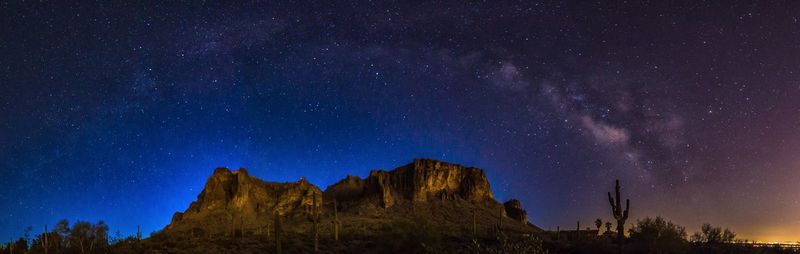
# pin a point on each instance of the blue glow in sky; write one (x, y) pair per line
(120, 112)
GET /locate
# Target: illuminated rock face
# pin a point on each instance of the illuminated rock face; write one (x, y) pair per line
(232, 198)
(348, 189)
(515, 211)
(423, 180)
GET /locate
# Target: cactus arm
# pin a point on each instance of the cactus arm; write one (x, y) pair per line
(619, 206)
(627, 207)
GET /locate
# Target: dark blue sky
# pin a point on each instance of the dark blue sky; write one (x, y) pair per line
(121, 111)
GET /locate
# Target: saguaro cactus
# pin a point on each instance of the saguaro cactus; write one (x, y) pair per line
(336, 223)
(138, 232)
(315, 220)
(620, 215)
(500, 221)
(45, 240)
(233, 225)
(241, 225)
(578, 231)
(474, 225)
(278, 232)
(558, 233)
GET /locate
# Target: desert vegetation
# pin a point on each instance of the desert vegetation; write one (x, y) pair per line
(404, 228)
(647, 235)
(651, 235)
(81, 237)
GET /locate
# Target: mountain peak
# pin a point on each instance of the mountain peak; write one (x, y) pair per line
(236, 197)
(419, 181)
(233, 197)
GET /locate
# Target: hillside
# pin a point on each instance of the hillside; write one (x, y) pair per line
(426, 205)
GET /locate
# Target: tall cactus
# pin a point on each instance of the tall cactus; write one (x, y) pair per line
(500, 221)
(278, 232)
(45, 242)
(336, 223)
(277, 222)
(620, 215)
(138, 233)
(315, 220)
(233, 224)
(474, 225)
(558, 233)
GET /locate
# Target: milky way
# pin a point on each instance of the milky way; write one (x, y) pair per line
(120, 112)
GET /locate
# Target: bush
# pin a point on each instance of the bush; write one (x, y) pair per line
(656, 235)
(713, 235)
(412, 237)
(529, 245)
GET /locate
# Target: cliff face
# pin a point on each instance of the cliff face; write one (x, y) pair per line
(515, 211)
(349, 188)
(232, 198)
(421, 181)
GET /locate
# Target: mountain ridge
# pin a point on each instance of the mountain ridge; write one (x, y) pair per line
(234, 199)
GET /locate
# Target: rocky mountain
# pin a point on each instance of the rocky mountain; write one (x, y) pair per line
(420, 202)
(232, 199)
(515, 211)
(421, 181)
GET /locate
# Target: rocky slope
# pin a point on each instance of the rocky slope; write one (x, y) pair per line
(421, 181)
(233, 199)
(515, 211)
(425, 202)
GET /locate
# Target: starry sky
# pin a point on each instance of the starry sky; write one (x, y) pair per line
(120, 112)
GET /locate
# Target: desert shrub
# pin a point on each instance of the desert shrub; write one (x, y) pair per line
(712, 235)
(412, 237)
(656, 235)
(531, 245)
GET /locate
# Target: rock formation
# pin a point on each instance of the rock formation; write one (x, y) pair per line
(349, 188)
(233, 202)
(232, 199)
(421, 181)
(515, 211)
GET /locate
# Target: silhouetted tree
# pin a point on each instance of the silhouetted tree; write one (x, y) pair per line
(46, 242)
(61, 236)
(656, 235)
(598, 223)
(100, 237)
(79, 236)
(18, 246)
(88, 238)
(696, 237)
(728, 236)
(713, 235)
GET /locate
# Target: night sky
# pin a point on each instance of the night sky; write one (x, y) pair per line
(121, 112)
